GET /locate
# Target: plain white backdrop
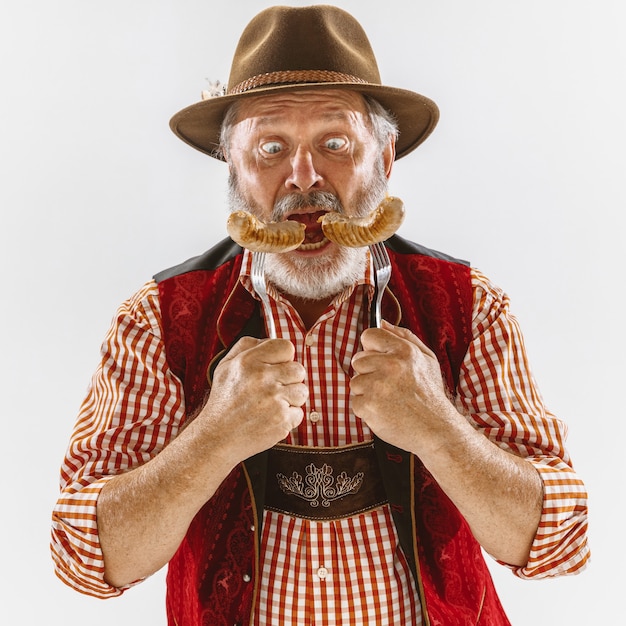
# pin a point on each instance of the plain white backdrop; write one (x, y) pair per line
(524, 176)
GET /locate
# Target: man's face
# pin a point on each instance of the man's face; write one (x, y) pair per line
(296, 156)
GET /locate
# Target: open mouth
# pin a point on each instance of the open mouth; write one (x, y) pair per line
(314, 238)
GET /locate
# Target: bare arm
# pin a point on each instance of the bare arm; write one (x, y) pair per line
(143, 515)
(398, 391)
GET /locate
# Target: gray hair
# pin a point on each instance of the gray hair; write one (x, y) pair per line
(382, 124)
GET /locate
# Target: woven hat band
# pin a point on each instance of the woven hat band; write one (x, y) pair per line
(291, 77)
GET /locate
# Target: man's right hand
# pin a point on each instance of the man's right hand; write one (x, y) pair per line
(256, 397)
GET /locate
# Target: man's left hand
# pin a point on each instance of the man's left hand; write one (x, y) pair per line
(398, 388)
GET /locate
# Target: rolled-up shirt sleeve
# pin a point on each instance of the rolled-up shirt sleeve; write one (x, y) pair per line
(133, 408)
(500, 397)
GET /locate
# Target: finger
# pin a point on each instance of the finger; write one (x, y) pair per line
(358, 385)
(296, 394)
(407, 335)
(377, 339)
(295, 416)
(371, 373)
(265, 350)
(289, 373)
(368, 362)
(275, 351)
(244, 344)
(385, 339)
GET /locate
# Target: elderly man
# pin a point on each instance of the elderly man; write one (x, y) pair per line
(339, 473)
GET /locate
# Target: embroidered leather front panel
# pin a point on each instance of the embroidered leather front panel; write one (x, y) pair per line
(323, 483)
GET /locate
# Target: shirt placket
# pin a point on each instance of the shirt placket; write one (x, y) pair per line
(321, 575)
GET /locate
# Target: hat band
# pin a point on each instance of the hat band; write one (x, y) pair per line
(289, 77)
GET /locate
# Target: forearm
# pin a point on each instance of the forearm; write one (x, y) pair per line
(498, 492)
(143, 515)
(134, 477)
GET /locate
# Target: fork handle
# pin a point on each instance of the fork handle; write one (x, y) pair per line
(375, 315)
(271, 326)
(373, 321)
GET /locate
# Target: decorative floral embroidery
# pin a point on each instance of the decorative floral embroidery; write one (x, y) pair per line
(320, 485)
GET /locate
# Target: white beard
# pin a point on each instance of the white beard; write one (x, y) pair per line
(316, 278)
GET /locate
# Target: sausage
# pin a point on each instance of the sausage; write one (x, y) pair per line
(356, 232)
(251, 233)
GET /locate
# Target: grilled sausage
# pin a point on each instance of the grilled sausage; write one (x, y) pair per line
(356, 232)
(257, 236)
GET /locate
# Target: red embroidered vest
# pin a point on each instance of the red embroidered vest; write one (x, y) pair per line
(211, 580)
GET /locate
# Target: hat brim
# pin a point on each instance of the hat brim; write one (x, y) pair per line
(199, 124)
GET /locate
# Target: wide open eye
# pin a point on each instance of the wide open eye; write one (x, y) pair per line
(271, 147)
(336, 143)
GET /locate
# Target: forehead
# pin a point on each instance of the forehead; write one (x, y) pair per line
(313, 105)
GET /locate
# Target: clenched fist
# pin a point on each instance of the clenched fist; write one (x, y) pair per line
(398, 388)
(256, 396)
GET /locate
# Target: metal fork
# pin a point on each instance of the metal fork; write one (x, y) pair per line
(258, 282)
(382, 274)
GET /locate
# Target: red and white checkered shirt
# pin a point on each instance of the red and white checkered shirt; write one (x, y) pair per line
(351, 571)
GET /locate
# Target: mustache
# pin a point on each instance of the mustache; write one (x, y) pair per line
(315, 199)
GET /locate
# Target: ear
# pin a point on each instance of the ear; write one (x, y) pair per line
(389, 156)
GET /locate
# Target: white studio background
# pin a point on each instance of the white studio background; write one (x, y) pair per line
(523, 176)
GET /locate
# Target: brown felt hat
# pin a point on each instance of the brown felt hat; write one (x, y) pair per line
(289, 49)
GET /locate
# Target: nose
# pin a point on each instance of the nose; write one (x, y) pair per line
(304, 175)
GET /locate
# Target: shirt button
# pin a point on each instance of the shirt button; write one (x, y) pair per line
(309, 340)
(314, 416)
(322, 572)
(246, 578)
